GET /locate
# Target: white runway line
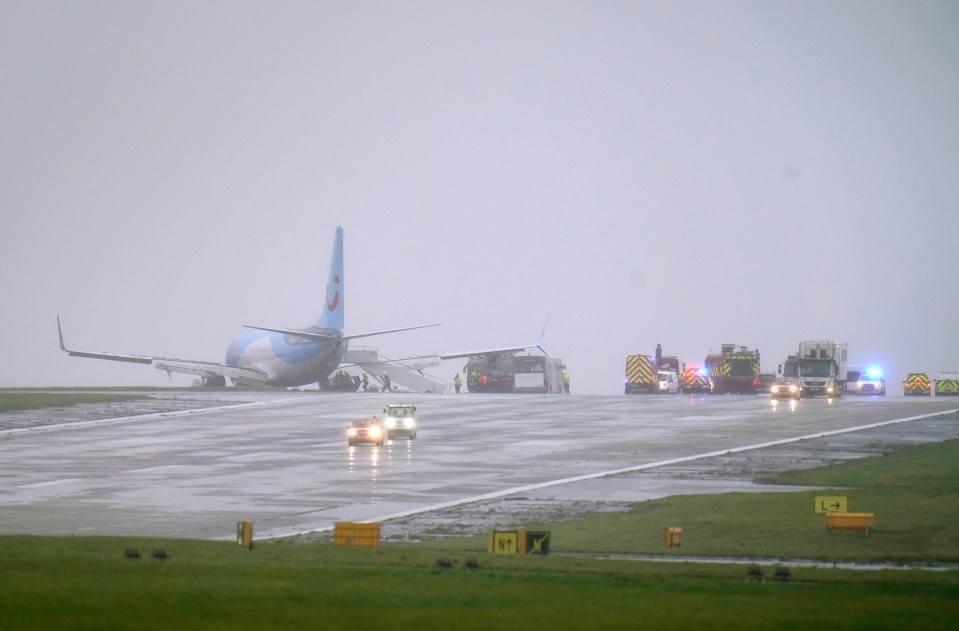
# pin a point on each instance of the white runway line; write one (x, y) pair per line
(139, 417)
(603, 474)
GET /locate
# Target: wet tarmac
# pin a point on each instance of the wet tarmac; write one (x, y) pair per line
(282, 461)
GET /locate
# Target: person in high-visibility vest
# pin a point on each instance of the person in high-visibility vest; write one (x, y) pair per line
(366, 381)
(565, 381)
(457, 382)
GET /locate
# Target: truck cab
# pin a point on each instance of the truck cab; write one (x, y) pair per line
(822, 368)
(818, 377)
(400, 421)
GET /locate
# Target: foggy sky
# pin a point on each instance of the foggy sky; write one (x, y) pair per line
(683, 173)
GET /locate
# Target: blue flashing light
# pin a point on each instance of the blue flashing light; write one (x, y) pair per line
(874, 371)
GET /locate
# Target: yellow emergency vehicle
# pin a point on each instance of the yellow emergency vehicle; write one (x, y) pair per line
(947, 384)
(696, 380)
(917, 384)
(640, 374)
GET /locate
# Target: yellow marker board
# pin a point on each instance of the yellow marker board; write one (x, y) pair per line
(831, 504)
(504, 542)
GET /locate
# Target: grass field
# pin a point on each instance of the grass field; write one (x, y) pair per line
(914, 494)
(12, 401)
(89, 583)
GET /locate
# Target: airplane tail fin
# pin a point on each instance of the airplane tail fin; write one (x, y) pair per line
(333, 302)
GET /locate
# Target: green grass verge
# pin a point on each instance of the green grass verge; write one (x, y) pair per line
(914, 494)
(13, 401)
(79, 583)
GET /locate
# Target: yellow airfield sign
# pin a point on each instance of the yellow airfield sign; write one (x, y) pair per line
(503, 542)
(832, 504)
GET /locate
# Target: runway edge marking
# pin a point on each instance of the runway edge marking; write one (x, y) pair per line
(602, 474)
(138, 417)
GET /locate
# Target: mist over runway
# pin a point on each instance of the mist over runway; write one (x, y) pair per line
(282, 461)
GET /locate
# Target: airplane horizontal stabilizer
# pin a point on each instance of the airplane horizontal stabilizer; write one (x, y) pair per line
(316, 336)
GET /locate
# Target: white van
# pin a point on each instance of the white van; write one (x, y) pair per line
(668, 382)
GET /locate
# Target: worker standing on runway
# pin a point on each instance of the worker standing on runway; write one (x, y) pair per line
(386, 383)
(457, 382)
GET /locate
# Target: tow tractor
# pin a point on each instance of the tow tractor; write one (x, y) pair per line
(400, 421)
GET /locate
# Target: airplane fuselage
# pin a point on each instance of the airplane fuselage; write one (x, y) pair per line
(284, 358)
(287, 361)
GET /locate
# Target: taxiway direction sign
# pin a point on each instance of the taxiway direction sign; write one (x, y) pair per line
(831, 504)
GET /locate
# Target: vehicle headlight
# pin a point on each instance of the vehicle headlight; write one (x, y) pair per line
(351, 432)
(375, 432)
(390, 422)
(829, 389)
(793, 389)
(408, 422)
(775, 389)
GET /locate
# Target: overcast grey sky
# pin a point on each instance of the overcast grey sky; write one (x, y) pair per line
(683, 173)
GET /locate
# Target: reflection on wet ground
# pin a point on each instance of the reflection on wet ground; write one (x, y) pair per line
(193, 464)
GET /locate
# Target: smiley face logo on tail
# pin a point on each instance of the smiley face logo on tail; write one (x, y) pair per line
(332, 303)
(335, 299)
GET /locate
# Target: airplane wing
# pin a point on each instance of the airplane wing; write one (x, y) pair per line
(319, 336)
(209, 371)
(486, 351)
(490, 351)
(421, 362)
(371, 333)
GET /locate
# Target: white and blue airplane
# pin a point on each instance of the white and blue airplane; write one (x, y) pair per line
(271, 356)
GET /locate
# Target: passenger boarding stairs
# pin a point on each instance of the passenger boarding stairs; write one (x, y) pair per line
(406, 373)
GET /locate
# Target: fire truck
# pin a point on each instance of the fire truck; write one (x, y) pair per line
(489, 373)
(509, 372)
(733, 370)
(642, 371)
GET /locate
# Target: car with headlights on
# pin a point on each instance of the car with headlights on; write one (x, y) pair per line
(870, 383)
(368, 431)
(764, 382)
(786, 388)
(400, 421)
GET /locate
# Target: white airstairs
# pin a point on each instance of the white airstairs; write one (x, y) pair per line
(406, 373)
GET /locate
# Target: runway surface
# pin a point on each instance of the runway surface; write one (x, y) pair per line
(282, 461)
